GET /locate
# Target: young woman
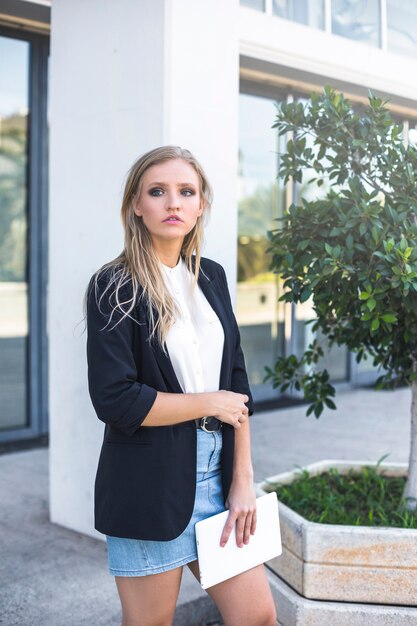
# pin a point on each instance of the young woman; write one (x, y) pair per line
(167, 376)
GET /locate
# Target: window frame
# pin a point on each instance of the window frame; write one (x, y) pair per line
(37, 242)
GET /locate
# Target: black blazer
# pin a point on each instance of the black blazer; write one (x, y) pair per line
(146, 476)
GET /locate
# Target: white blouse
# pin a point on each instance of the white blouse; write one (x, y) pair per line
(195, 341)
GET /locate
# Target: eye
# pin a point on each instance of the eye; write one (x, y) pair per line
(188, 192)
(156, 192)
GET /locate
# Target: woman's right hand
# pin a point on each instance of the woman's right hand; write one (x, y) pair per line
(229, 407)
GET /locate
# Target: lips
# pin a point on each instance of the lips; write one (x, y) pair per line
(173, 218)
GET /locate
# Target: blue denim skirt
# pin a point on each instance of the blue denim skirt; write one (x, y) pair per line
(137, 557)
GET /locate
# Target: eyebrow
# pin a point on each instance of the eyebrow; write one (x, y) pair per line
(165, 184)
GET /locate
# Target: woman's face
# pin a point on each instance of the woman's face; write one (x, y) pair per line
(170, 201)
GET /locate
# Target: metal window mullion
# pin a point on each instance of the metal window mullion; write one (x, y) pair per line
(293, 339)
(43, 235)
(33, 225)
(327, 16)
(279, 345)
(383, 25)
(268, 7)
(37, 186)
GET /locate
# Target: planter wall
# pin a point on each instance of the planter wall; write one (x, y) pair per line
(345, 563)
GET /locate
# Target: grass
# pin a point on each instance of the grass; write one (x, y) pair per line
(365, 498)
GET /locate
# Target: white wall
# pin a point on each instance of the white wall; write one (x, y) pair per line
(202, 107)
(126, 76)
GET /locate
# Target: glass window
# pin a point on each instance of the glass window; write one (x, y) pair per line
(257, 295)
(14, 106)
(268, 327)
(401, 23)
(308, 12)
(357, 19)
(259, 5)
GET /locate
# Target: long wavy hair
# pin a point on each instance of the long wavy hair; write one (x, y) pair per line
(136, 274)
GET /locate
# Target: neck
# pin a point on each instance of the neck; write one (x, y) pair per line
(169, 255)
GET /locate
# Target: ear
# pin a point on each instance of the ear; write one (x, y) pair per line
(137, 209)
(201, 209)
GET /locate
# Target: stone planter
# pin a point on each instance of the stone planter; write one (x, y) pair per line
(352, 564)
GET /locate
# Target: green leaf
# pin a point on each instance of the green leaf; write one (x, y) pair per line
(390, 318)
(310, 410)
(388, 245)
(375, 324)
(305, 295)
(322, 151)
(318, 409)
(364, 295)
(371, 304)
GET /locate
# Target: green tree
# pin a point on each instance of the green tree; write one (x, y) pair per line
(353, 250)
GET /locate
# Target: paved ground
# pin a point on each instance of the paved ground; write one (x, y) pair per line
(366, 425)
(50, 576)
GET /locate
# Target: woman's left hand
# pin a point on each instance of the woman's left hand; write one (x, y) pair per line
(241, 503)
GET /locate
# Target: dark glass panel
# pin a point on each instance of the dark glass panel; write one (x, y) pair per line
(14, 109)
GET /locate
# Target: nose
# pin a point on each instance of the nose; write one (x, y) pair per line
(173, 201)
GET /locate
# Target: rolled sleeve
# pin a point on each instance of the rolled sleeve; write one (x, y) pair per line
(118, 397)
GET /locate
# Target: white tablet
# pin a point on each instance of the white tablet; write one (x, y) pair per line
(217, 564)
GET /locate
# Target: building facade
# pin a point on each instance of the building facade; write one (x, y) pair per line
(88, 86)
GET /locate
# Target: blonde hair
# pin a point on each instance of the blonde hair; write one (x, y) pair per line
(138, 266)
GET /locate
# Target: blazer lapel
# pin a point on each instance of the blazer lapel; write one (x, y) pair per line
(162, 358)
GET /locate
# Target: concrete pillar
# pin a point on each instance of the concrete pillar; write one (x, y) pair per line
(126, 76)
